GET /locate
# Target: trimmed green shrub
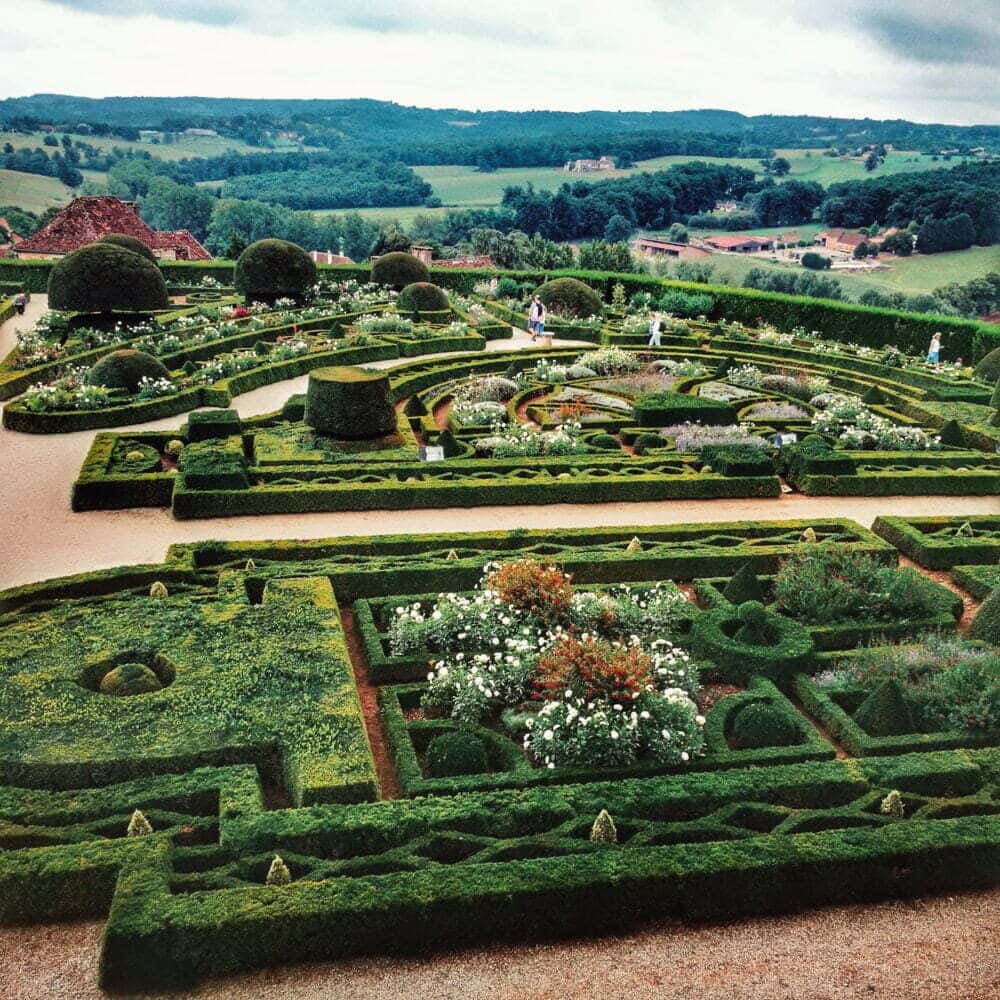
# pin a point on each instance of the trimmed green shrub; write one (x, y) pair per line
(743, 586)
(125, 369)
(646, 441)
(129, 243)
(398, 269)
(988, 370)
(952, 435)
(203, 425)
(451, 754)
(737, 460)
(885, 712)
(569, 297)
(873, 396)
(986, 624)
(130, 679)
(273, 269)
(422, 296)
(350, 403)
(102, 278)
(663, 409)
(415, 407)
(209, 465)
(762, 725)
(606, 442)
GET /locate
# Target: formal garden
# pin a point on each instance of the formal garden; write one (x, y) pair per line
(262, 752)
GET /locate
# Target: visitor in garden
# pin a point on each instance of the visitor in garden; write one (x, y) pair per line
(934, 351)
(536, 318)
(655, 328)
(20, 302)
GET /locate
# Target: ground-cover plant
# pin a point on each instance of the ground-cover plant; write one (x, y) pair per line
(775, 411)
(480, 413)
(695, 437)
(803, 387)
(487, 389)
(610, 361)
(521, 441)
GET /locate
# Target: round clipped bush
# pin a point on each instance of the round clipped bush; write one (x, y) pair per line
(606, 442)
(349, 403)
(129, 243)
(398, 269)
(422, 296)
(125, 369)
(988, 370)
(129, 679)
(273, 269)
(762, 725)
(644, 442)
(569, 297)
(452, 754)
(103, 278)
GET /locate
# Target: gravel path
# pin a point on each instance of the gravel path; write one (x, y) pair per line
(935, 949)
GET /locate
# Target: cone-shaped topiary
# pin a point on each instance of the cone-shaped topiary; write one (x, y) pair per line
(762, 725)
(350, 403)
(604, 830)
(809, 535)
(986, 625)
(125, 369)
(138, 825)
(422, 296)
(250, 566)
(755, 624)
(158, 590)
(102, 277)
(451, 556)
(278, 873)
(415, 407)
(456, 753)
(965, 530)
(874, 396)
(885, 712)
(892, 805)
(129, 243)
(273, 269)
(130, 679)
(634, 546)
(570, 297)
(743, 586)
(952, 435)
(398, 269)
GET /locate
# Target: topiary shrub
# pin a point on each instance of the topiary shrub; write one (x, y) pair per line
(398, 269)
(604, 831)
(743, 586)
(644, 442)
(349, 403)
(606, 442)
(952, 435)
(665, 409)
(571, 298)
(760, 724)
(885, 712)
(125, 369)
(415, 407)
(737, 460)
(873, 396)
(456, 753)
(211, 465)
(203, 425)
(422, 296)
(988, 370)
(130, 679)
(273, 269)
(986, 625)
(129, 243)
(102, 278)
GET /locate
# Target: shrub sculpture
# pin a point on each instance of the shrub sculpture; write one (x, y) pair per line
(743, 586)
(130, 679)
(986, 625)
(349, 403)
(129, 243)
(885, 712)
(988, 370)
(398, 269)
(273, 269)
(762, 725)
(125, 369)
(103, 278)
(571, 298)
(457, 753)
(422, 296)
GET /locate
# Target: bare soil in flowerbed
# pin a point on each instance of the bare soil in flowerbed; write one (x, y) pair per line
(945, 948)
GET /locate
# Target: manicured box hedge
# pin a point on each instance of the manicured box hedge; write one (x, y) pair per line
(924, 541)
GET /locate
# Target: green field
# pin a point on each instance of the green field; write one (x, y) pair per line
(32, 192)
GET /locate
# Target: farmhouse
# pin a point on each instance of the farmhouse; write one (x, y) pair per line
(664, 248)
(739, 244)
(426, 254)
(328, 257)
(588, 166)
(87, 219)
(841, 240)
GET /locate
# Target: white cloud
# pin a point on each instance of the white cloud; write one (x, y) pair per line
(788, 57)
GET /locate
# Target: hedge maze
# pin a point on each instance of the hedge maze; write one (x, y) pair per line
(217, 694)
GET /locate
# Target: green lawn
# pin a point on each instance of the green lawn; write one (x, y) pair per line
(32, 192)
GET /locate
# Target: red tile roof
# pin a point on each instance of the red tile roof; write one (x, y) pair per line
(737, 241)
(478, 261)
(85, 220)
(326, 257)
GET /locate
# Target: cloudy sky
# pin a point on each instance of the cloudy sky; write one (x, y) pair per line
(925, 60)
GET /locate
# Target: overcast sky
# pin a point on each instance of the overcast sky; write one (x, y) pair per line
(926, 60)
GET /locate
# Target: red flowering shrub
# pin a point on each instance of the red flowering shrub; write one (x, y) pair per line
(592, 669)
(529, 586)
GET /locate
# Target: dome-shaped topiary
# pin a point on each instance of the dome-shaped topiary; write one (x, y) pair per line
(885, 712)
(986, 625)
(129, 679)
(398, 269)
(102, 277)
(129, 243)
(988, 370)
(606, 442)
(644, 442)
(569, 297)
(452, 754)
(273, 269)
(422, 296)
(125, 369)
(762, 725)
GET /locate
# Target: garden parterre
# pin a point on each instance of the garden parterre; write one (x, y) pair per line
(253, 705)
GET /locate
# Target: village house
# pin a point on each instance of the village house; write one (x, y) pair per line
(426, 254)
(588, 166)
(85, 220)
(739, 244)
(842, 241)
(200, 131)
(664, 248)
(328, 257)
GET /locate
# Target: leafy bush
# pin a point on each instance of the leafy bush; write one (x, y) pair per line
(398, 269)
(609, 361)
(129, 243)
(532, 587)
(645, 441)
(452, 754)
(422, 296)
(125, 369)
(762, 725)
(102, 277)
(570, 297)
(273, 269)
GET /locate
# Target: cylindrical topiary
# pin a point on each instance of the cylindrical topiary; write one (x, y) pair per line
(349, 403)
(762, 725)
(125, 369)
(398, 269)
(452, 754)
(273, 269)
(129, 243)
(102, 278)
(569, 297)
(422, 296)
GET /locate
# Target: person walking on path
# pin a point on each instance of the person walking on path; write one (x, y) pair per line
(20, 302)
(536, 318)
(655, 330)
(934, 351)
